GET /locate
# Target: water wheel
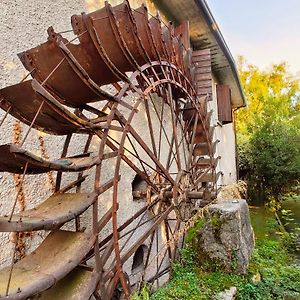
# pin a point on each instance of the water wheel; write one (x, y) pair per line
(124, 99)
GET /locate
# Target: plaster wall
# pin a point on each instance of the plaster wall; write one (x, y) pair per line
(23, 25)
(226, 148)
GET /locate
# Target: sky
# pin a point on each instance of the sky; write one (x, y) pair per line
(264, 32)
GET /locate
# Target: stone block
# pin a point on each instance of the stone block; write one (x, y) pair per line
(226, 240)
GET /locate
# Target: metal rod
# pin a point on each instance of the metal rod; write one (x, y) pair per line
(32, 122)
(12, 264)
(63, 154)
(5, 115)
(52, 72)
(18, 192)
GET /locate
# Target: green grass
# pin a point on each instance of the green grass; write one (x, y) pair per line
(271, 261)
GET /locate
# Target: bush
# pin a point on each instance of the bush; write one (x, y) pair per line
(270, 160)
(275, 152)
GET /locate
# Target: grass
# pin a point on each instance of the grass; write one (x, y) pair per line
(272, 274)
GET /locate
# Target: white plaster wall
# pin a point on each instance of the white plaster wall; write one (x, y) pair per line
(226, 148)
(23, 25)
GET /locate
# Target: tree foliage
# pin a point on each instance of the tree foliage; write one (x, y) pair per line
(275, 154)
(269, 131)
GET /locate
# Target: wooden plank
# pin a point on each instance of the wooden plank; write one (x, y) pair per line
(224, 104)
(200, 58)
(200, 136)
(183, 30)
(201, 52)
(52, 213)
(58, 255)
(203, 76)
(77, 285)
(208, 177)
(204, 84)
(13, 159)
(206, 162)
(204, 91)
(25, 102)
(203, 149)
(203, 70)
(203, 64)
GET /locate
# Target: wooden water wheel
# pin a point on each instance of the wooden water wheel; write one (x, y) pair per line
(144, 163)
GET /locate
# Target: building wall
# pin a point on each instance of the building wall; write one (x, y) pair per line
(226, 148)
(23, 25)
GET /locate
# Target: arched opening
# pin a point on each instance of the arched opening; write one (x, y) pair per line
(139, 187)
(138, 259)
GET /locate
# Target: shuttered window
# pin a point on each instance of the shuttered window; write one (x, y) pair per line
(224, 104)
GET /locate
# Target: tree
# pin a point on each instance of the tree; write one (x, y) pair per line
(275, 158)
(268, 130)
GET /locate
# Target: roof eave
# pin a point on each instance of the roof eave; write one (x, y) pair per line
(223, 45)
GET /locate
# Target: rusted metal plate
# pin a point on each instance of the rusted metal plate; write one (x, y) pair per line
(117, 24)
(47, 57)
(78, 285)
(13, 159)
(168, 40)
(113, 41)
(183, 30)
(206, 162)
(155, 26)
(208, 177)
(59, 254)
(25, 103)
(51, 214)
(203, 148)
(141, 19)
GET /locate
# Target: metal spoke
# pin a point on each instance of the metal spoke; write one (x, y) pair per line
(174, 124)
(150, 127)
(162, 129)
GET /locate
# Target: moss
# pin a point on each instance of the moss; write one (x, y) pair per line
(216, 221)
(234, 261)
(192, 232)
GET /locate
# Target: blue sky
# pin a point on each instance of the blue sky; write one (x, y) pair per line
(265, 31)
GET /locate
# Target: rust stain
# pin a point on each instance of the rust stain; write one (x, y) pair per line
(46, 156)
(17, 131)
(19, 238)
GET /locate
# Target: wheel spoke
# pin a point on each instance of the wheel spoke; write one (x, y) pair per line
(150, 127)
(162, 129)
(174, 124)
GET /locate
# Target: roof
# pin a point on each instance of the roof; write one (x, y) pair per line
(205, 34)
